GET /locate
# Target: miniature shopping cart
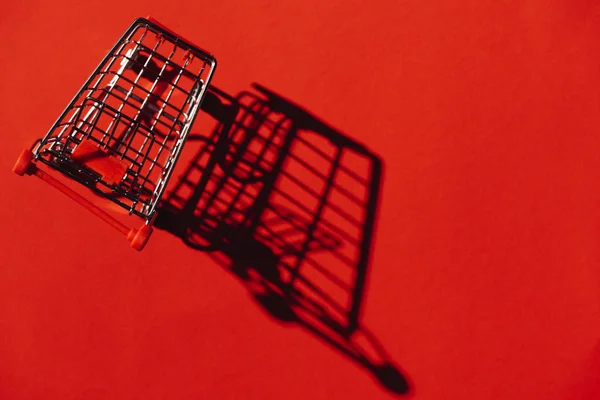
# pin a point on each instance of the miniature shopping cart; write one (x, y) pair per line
(123, 132)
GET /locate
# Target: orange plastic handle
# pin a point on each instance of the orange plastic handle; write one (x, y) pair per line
(112, 221)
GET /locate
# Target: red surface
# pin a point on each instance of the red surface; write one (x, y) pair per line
(485, 275)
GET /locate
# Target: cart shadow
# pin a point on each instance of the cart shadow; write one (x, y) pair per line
(286, 204)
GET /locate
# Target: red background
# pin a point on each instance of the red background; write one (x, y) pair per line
(484, 281)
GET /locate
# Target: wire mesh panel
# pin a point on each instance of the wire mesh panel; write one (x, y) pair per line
(123, 132)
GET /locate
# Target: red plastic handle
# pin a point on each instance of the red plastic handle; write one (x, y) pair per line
(112, 221)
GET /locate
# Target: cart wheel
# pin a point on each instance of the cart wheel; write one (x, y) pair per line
(23, 162)
(141, 237)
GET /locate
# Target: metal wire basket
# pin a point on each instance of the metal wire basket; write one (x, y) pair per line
(123, 132)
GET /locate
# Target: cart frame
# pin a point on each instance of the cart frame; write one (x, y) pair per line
(136, 191)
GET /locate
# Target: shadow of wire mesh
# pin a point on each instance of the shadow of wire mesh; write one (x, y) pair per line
(293, 185)
(288, 205)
